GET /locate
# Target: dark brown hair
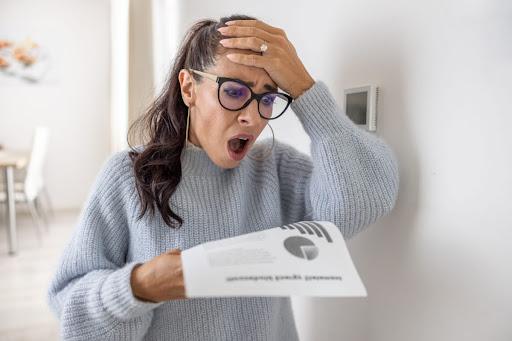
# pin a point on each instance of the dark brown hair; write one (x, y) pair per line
(157, 166)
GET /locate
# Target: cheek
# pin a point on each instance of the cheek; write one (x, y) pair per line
(210, 125)
(262, 127)
(212, 122)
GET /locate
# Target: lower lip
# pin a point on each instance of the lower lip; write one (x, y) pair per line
(238, 156)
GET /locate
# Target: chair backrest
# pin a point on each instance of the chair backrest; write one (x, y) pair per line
(34, 179)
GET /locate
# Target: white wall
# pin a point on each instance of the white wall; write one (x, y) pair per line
(73, 102)
(438, 267)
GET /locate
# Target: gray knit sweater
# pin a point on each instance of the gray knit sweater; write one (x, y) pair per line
(351, 179)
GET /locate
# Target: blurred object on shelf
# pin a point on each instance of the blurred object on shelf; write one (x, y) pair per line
(25, 60)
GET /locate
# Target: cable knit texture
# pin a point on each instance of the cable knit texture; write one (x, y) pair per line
(350, 179)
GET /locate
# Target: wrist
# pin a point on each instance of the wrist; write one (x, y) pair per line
(306, 85)
(138, 284)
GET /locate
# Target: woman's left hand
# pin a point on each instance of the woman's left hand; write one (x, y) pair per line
(280, 60)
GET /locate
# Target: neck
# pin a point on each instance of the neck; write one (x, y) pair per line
(191, 145)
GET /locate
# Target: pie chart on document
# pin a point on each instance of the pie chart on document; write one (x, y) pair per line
(301, 247)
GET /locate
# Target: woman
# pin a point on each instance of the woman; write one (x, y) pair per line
(199, 176)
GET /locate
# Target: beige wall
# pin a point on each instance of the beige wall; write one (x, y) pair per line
(141, 82)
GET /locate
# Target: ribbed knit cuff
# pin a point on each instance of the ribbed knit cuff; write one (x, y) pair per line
(117, 295)
(320, 115)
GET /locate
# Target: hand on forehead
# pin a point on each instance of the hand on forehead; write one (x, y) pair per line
(224, 67)
(266, 47)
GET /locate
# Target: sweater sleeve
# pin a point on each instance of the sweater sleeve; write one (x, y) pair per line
(90, 292)
(351, 178)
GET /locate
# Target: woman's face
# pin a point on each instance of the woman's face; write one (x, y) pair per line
(211, 125)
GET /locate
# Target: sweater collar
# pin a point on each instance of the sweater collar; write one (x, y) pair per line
(196, 162)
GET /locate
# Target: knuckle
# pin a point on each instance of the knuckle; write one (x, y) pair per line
(282, 40)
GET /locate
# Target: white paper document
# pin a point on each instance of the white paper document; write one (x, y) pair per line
(307, 258)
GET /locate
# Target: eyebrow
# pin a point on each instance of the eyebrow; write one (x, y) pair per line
(266, 86)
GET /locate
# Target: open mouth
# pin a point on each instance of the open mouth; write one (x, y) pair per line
(237, 147)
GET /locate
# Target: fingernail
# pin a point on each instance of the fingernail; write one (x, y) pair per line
(230, 22)
(222, 41)
(221, 29)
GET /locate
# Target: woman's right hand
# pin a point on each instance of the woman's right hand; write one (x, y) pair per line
(160, 279)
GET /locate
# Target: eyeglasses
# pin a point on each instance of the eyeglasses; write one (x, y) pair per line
(234, 94)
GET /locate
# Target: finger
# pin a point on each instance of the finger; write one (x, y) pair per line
(249, 43)
(240, 31)
(256, 23)
(173, 251)
(248, 59)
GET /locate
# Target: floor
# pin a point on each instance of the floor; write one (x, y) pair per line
(24, 279)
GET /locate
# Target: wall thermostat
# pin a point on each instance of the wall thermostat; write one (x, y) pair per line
(361, 106)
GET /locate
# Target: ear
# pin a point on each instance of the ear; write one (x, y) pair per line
(187, 87)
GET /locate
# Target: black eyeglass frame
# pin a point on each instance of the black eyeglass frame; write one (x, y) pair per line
(220, 80)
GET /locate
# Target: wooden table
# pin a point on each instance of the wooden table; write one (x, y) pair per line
(10, 160)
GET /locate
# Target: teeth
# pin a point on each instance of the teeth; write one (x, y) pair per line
(243, 138)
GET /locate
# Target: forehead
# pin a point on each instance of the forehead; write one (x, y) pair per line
(226, 68)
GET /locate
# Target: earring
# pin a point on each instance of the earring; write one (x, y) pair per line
(188, 122)
(187, 142)
(269, 150)
(186, 129)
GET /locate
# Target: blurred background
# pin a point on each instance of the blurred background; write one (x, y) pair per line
(75, 73)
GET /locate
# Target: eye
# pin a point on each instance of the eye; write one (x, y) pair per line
(235, 92)
(268, 99)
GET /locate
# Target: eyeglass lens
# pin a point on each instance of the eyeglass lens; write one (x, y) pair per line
(234, 95)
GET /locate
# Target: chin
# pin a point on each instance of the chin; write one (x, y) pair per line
(230, 164)
(226, 163)
(231, 160)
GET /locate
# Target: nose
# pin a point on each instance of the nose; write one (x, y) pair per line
(249, 115)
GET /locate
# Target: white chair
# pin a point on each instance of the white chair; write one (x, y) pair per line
(32, 187)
